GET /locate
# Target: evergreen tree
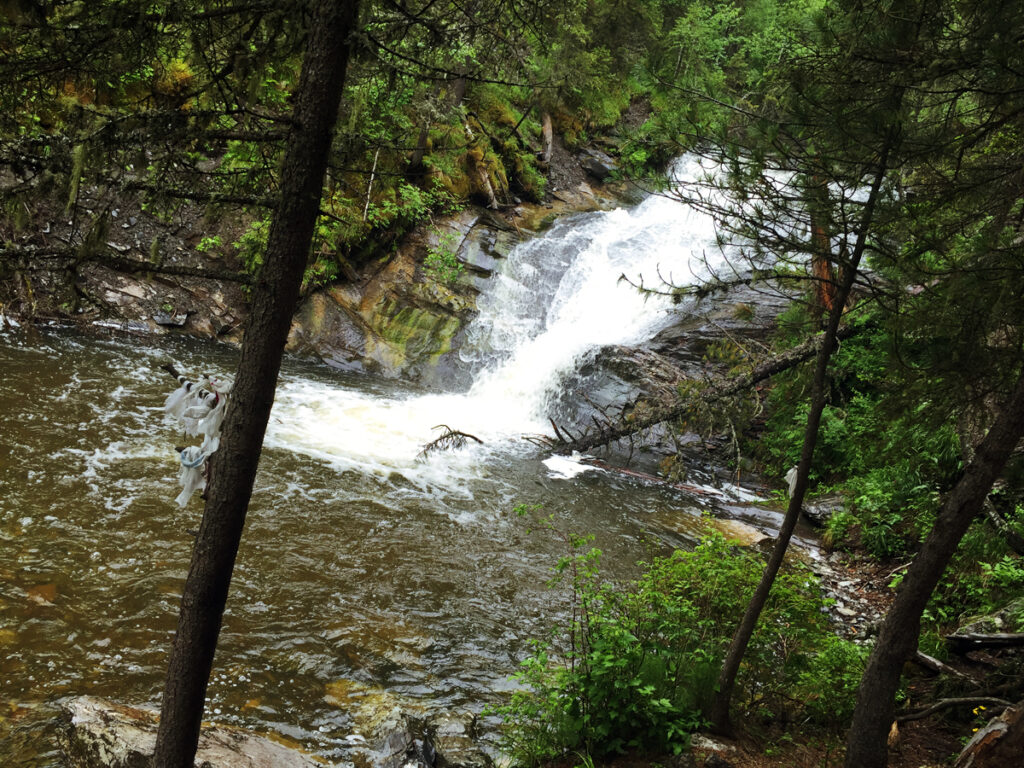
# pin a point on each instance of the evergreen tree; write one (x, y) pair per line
(233, 467)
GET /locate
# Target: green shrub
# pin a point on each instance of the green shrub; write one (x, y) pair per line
(635, 666)
(838, 527)
(984, 577)
(252, 245)
(441, 260)
(828, 687)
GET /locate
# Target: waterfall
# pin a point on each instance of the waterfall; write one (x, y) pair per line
(555, 298)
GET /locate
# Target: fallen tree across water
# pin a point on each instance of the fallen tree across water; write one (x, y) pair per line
(717, 388)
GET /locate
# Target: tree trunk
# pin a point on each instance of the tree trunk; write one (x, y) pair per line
(233, 467)
(718, 713)
(897, 641)
(821, 250)
(547, 137)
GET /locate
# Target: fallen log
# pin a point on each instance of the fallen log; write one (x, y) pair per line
(38, 257)
(939, 667)
(973, 641)
(718, 387)
(649, 478)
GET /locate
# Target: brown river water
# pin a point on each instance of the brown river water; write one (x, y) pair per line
(360, 567)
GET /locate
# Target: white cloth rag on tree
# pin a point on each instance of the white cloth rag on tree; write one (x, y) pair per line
(199, 408)
(791, 480)
(192, 476)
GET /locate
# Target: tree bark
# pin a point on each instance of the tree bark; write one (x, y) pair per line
(547, 137)
(233, 467)
(821, 247)
(897, 641)
(718, 713)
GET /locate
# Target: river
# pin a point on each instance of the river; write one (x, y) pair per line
(362, 567)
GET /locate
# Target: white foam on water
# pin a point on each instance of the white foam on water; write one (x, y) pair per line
(568, 467)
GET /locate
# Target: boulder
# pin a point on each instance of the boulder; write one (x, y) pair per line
(453, 738)
(95, 733)
(597, 164)
(820, 511)
(1008, 619)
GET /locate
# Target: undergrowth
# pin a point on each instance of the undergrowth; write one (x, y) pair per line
(634, 666)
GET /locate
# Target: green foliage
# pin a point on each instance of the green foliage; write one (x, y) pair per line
(828, 685)
(252, 245)
(441, 260)
(838, 527)
(984, 577)
(636, 665)
(888, 454)
(209, 243)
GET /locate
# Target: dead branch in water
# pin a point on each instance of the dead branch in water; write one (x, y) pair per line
(450, 440)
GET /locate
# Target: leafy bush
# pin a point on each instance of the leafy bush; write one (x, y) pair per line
(441, 260)
(878, 442)
(828, 686)
(635, 666)
(252, 245)
(984, 577)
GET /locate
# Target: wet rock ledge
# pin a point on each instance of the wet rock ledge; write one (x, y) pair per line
(96, 733)
(101, 734)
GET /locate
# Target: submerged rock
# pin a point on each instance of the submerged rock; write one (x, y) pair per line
(386, 734)
(391, 732)
(96, 733)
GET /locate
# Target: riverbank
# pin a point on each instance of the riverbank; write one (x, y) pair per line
(393, 317)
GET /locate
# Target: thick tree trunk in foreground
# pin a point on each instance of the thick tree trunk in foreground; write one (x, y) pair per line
(233, 467)
(718, 714)
(866, 745)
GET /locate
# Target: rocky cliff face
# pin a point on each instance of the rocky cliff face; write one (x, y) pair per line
(404, 318)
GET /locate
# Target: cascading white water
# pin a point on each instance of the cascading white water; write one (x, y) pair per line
(556, 297)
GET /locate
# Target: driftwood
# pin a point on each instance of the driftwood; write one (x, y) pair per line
(718, 388)
(648, 478)
(973, 641)
(939, 667)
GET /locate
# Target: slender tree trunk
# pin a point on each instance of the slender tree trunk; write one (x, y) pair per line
(718, 714)
(821, 250)
(866, 745)
(233, 467)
